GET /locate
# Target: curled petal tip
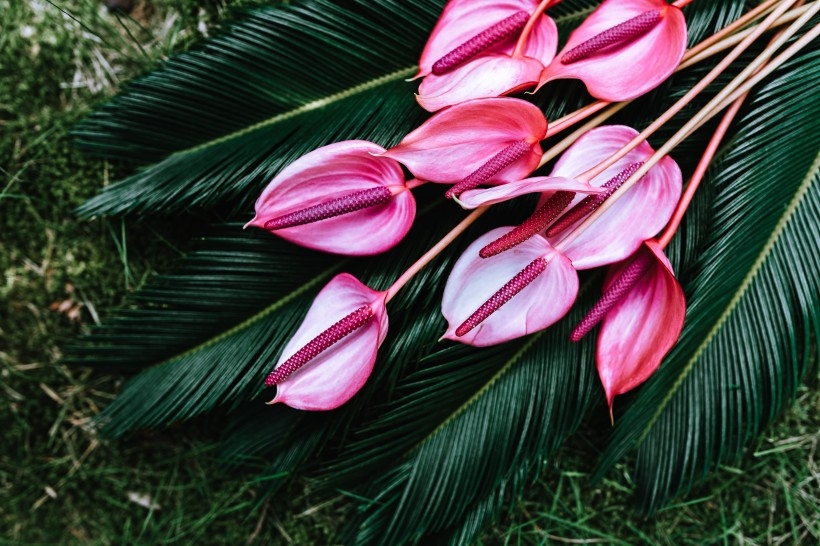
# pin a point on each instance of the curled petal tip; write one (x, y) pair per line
(332, 354)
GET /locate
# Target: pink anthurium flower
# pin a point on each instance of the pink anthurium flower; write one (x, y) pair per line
(541, 282)
(641, 315)
(495, 23)
(638, 215)
(486, 76)
(623, 49)
(483, 141)
(472, 52)
(342, 198)
(333, 352)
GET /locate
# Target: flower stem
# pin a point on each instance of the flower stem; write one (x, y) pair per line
(705, 160)
(734, 39)
(525, 34)
(700, 171)
(702, 51)
(433, 252)
(574, 117)
(730, 28)
(736, 88)
(556, 150)
(683, 101)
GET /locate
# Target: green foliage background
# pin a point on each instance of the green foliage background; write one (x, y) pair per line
(445, 438)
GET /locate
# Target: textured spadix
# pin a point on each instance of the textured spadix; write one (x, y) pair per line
(541, 297)
(463, 20)
(641, 329)
(340, 369)
(459, 140)
(340, 198)
(623, 49)
(637, 216)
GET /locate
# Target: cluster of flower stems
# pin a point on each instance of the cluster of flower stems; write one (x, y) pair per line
(331, 356)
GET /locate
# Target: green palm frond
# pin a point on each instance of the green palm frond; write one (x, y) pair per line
(221, 121)
(275, 86)
(753, 294)
(230, 276)
(442, 436)
(225, 362)
(522, 400)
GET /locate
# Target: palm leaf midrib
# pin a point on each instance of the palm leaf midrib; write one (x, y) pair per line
(273, 307)
(762, 256)
(316, 104)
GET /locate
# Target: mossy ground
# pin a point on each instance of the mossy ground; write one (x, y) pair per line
(60, 484)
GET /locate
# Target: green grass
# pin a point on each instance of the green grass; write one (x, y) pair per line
(60, 484)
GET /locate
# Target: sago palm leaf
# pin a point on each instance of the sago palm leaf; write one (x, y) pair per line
(225, 361)
(275, 86)
(442, 435)
(230, 276)
(522, 400)
(753, 292)
(222, 120)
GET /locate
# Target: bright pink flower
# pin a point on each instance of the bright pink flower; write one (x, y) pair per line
(332, 353)
(483, 141)
(638, 215)
(463, 20)
(342, 198)
(486, 76)
(470, 53)
(623, 49)
(541, 280)
(641, 314)
(482, 302)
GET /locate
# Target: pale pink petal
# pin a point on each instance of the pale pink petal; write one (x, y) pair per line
(331, 172)
(485, 76)
(626, 72)
(457, 141)
(472, 199)
(640, 330)
(461, 20)
(474, 280)
(333, 377)
(638, 215)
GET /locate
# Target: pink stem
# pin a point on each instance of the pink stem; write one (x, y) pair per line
(433, 252)
(700, 171)
(525, 34)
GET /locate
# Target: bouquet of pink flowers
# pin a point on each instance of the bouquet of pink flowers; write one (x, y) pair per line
(650, 158)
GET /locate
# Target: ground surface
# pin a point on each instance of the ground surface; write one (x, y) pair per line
(61, 484)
